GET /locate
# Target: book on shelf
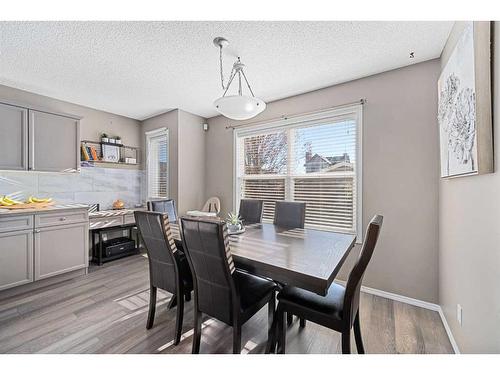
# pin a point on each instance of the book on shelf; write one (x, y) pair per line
(85, 154)
(93, 153)
(89, 153)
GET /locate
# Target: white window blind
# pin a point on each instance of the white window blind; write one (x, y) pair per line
(157, 163)
(310, 160)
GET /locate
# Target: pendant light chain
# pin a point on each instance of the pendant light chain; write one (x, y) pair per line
(240, 106)
(224, 87)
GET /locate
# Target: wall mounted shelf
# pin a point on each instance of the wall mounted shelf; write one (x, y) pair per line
(124, 152)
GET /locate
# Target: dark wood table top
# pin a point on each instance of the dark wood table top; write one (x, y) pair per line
(306, 258)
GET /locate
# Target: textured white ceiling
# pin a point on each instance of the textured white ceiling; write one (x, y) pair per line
(138, 69)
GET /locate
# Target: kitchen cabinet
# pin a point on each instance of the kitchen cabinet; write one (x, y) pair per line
(33, 139)
(16, 258)
(60, 249)
(14, 137)
(41, 244)
(54, 142)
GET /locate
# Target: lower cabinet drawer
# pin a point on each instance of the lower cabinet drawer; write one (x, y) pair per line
(60, 218)
(97, 223)
(13, 223)
(60, 249)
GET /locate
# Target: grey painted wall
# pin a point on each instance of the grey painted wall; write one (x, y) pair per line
(400, 170)
(191, 162)
(169, 120)
(93, 123)
(186, 156)
(469, 241)
(92, 185)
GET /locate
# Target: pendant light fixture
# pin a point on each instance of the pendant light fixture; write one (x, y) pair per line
(236, 107)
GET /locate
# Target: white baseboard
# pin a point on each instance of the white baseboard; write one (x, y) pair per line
(400, 298)
(448, 331)
(413, 302)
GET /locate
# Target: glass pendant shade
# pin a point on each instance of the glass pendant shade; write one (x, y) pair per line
(239, 107)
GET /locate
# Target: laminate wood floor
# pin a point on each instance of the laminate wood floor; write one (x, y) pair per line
(105, 312)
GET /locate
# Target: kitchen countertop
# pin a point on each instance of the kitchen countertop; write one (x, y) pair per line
(55, 208)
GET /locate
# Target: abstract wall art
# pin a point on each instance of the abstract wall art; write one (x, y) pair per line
(464, 110)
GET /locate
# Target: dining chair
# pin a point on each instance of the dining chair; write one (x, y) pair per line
(212, 205)
(168, 267)
(164, 205)
(290, 214)
(220, 290)
(251, 211)
(339, 309)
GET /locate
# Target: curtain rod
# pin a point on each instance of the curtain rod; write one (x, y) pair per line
(285, 117)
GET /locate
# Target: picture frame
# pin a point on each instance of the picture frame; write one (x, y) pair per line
(464, 107)
(110, 153)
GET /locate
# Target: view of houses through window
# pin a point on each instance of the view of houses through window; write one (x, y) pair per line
(312, 162)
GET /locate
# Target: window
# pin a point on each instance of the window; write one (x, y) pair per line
(313, 159)
(157, 163)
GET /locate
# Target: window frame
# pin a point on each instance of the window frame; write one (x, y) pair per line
(335, 114)
(149, 136)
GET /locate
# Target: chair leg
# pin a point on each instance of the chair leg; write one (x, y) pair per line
(357, 335)
(282, 327)
(152, 307)
(271, 322)
(188, 296)
(289, 319)
(346, 342)
(197, 331)
(302, 322)
(172, 303)
(236, 338)
(178, 321)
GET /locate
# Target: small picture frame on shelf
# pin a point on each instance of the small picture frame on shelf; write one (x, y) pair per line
(110, 153)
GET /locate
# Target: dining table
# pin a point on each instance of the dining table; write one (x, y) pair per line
(306, 258)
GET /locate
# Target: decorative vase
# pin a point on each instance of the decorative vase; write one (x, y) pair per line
(118, 141)
(234, 227)
(105, 139)
(112, 140)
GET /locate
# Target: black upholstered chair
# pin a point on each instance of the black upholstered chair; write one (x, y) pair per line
(290, 214)
(251, 211)
(164, 205)
(220, 290)
(168, 267)
(339, 310)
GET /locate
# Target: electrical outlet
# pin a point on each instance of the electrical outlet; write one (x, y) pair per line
(459, 314)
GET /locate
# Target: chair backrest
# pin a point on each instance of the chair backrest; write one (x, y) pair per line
(206, 245)
(166, 206)
(160, 246)
(290, 214)
(212, 205)
(353, 286)
(251, 210)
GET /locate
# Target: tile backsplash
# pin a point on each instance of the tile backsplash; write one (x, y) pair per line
(91, 185)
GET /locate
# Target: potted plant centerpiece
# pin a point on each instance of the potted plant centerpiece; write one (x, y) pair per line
(118, 140)
(104, 138)
(233, 222)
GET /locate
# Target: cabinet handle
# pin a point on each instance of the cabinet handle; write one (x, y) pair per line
(37, 230)
(62, 219)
